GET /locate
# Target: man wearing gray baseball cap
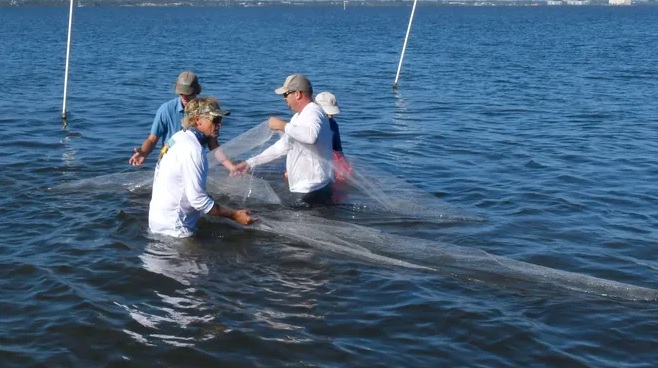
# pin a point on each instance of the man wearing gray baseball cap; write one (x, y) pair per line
(306, 144)
(168, 118)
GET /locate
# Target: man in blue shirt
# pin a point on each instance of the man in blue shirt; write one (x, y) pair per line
(168, 120)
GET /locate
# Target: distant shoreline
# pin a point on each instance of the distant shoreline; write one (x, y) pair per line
(230, 3)
(314, 3)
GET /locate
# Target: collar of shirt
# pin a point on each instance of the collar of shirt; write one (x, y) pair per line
(199, 136)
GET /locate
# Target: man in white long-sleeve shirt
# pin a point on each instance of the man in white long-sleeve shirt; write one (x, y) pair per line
(179, 185)
(307, 143)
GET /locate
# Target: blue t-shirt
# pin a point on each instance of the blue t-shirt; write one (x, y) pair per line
(336, 145)
(168, 119)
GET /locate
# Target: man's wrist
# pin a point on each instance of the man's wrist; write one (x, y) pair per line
(223, 212)
(228, 213)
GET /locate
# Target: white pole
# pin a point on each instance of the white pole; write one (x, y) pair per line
(68, 53)
(404, 46)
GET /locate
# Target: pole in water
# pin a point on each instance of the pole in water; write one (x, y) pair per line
(66, 68)
(404, 46)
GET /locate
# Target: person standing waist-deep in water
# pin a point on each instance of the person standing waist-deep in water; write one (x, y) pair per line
(168, 120)
(306, 144)
(179, 195)
(342, 168)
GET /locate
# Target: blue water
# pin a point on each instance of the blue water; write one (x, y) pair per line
(541, 121)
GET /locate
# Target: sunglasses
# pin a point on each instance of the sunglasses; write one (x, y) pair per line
(217, 120)
(285, 94)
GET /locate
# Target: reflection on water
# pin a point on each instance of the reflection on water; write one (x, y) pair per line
(165, 258)
(69, 154)
(201, 303)
(542, 121)
(183, 309)
(388, 196)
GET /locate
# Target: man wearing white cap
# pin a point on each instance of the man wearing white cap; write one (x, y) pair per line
(327, 101)
(306, 144)
(342, 168)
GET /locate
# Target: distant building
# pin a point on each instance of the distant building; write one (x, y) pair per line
(554, 2)
(619, 2)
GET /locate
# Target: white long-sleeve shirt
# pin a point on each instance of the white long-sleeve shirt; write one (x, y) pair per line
(307, 144)
(179, 187)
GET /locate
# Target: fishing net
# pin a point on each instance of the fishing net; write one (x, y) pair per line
(376, 193)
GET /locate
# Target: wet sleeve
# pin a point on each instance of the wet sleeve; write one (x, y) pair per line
(194, 176)
(335, 142)
(307, 130)
(278, 149)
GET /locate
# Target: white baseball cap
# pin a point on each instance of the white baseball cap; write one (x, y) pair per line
(328, 102)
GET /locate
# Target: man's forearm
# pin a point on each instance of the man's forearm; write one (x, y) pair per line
(220, 211)
(147, 147)
(220, 155)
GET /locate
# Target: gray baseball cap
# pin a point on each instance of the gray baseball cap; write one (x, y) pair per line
(295, 82)
(187, 84)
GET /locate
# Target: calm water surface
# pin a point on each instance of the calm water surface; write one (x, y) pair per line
(540, 121)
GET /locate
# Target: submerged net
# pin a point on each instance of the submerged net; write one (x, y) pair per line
(375, 192)
(140, 180)
(389, 193)
(376, 246)
(363, 184)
